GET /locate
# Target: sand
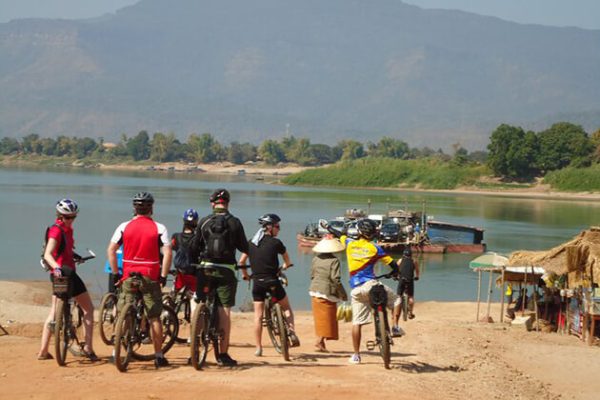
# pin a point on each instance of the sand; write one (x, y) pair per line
(445, 355)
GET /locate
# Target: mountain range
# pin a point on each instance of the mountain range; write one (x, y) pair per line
(326, 70)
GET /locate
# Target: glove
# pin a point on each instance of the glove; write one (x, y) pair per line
(416, 278)
(116, 278)
(57, 272)
(162, 281)
(323, 223)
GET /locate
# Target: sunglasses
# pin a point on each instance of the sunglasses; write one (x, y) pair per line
(69, 216)
(276, 226)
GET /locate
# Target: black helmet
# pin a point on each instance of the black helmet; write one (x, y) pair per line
(407, 251)
(366, 228)
(269, 219)
(220, 196)
(143, 199)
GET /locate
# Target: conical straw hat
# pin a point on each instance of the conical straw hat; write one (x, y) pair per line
(328, 246)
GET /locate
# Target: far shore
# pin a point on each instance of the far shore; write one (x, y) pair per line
(261, 170)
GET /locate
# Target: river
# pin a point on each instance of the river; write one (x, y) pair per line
(28, 196)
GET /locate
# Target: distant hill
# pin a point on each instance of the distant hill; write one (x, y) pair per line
(333, 69)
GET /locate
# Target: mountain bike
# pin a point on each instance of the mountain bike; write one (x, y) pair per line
(133, 329)
(383, 335)
(205, 330)
(108, 316)
(276, 323)
(180, 301)
(68, 317)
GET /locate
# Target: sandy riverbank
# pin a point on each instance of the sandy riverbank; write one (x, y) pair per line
(445, 355)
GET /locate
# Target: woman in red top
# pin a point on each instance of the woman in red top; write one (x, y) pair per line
(60, 259)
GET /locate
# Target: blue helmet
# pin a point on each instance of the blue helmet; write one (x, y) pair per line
(190, 215)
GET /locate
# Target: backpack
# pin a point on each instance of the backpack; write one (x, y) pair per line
(182, 259)
(61, 246)
(216, 236)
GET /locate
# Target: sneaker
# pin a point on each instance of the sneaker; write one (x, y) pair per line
(90, 355)
(160, 362)
(397, 331)
(355, 359)
(225, 360)
(294, 339)
(411, 316)
(258, 352)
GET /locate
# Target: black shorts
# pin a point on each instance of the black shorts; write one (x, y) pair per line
(76, 285)
(409, 286)
(262, 286)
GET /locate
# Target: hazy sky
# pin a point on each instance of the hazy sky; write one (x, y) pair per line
(581, 13)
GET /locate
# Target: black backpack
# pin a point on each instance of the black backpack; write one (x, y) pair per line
(216, 236)
(61, 246)
(182, 259)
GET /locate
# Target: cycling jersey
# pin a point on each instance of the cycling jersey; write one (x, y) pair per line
(56, 232)
(141, 238)
(362, 256)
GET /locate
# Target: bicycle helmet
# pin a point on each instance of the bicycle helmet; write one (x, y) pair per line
(407, 251)
(269, 219)
(220, 196)
(366, 228)
(143, 199)
(67, 207)
(190, 215)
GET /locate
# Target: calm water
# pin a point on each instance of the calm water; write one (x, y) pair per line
(27, 198)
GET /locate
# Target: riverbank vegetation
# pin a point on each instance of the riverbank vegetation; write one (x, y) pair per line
(564, 155)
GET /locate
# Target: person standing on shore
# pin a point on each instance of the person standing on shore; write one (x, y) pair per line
(60, 259)
(214, 244)
(180, 243)
(409, 273)
(143, 239)
(326, 290)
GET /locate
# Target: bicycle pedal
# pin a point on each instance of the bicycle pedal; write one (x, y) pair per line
(370, 345)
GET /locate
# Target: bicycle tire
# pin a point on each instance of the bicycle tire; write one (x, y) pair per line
(199, 340)
(170, 328)
(123, 338)
(61, 338)
(144, 349)
(77, 330)
(283, 332)
(182, 310)
(404, 306)
(383, 336)
(108, 318)
(272, 329)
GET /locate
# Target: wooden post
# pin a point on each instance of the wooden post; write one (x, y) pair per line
(489, 298)
(478, 295)
(502, 296)
(524, 296)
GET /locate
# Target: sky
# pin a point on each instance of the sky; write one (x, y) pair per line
(579, 13)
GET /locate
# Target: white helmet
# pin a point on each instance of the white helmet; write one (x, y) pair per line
(67, 207)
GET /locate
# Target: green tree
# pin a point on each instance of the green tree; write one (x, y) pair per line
(389, 147)
(512, 152)
(31, 144)
(138, 146)
(204, 148)
(271, 152)
(240, 153)
(9, 146)
(323, 154)
(595, 139)
(83, 147)
(48, 146)
(461, 155)
(564, 144)
(302, 153)
(63, 146)
(163, 147)
(351, 149)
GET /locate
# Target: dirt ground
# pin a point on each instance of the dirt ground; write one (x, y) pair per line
(445, 355)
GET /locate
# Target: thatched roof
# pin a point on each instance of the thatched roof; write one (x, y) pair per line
(578, 254)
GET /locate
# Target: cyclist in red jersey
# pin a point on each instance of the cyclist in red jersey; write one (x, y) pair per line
(60, 259)
(143, 239)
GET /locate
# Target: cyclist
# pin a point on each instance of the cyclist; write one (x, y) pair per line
(143, 239)
(180, 244)
(263, 251)
(215, 241)
(409, 273)
(362, 256)
(60, 258)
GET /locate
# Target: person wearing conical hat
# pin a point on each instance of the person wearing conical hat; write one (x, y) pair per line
(326, 290)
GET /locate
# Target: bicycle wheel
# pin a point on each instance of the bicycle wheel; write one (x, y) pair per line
(404, 306)
(124, 338)
(61, 337)
(170, 327)
(200, 342)
(271, 326)
(283, 332)
(76, 331)
(383, 336)
(108, 318)
(182, 310)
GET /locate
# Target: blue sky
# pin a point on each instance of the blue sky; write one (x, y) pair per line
(580, 13)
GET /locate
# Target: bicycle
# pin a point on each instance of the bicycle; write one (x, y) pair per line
(108, 316)
(383, 335)
(205, 321)
(68, 317)
(133, 328)
(180, 301)
(276, 323)
(404, 300)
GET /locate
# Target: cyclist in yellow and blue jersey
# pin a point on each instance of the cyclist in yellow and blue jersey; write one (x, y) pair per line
(362, 256)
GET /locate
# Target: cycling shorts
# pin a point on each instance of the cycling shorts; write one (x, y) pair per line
(262, 286)
(409, 286)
